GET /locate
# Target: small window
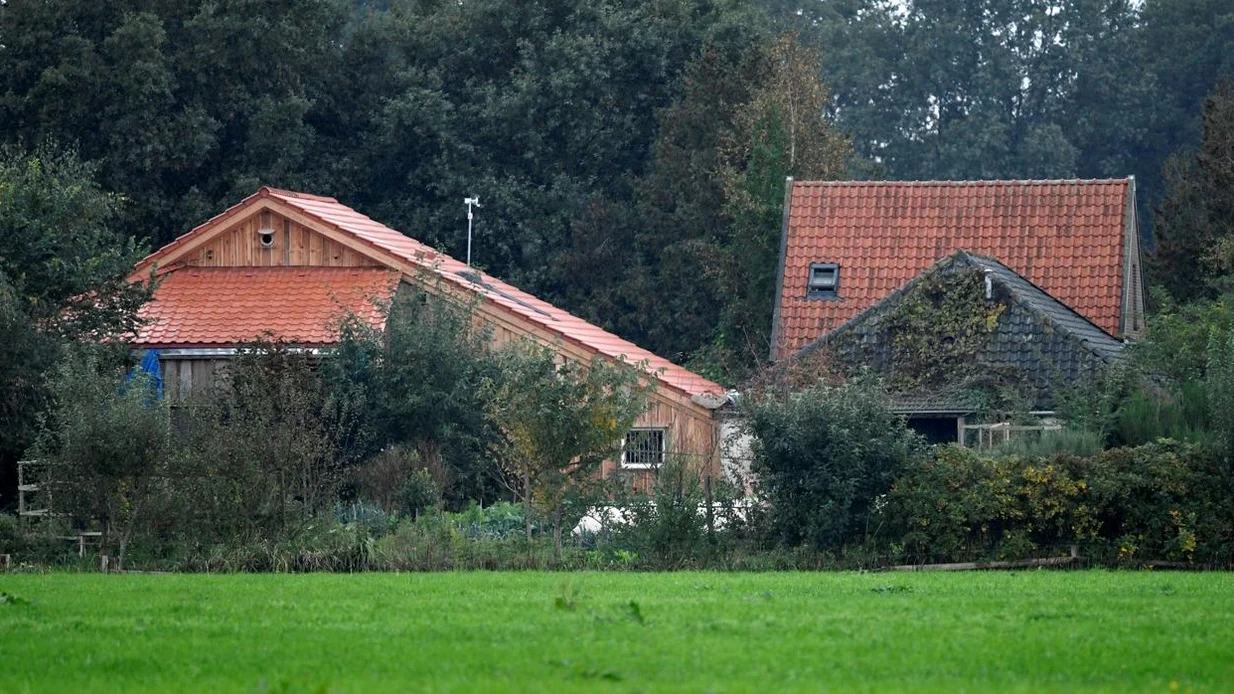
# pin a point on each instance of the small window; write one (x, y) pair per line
(265, 231)
(824, 280)
(643, 448)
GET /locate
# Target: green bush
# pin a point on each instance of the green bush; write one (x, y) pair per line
(11, 540)
(1164, 501)
(1050, 443)
(664, 528)
(823, 457)
(958, 505)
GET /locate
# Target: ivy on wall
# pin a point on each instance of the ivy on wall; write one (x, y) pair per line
(931, 336)
(940, 326)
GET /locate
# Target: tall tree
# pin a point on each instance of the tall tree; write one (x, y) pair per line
(1005, 101)
(62, 269)
(561, 421)
(1194, 257)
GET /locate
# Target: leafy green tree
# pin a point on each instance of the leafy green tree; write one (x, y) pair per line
(263, 453)
(420, 382)
(62, 271)
(781, 131)
(106, 447)
(1185, 47)
(561, 420)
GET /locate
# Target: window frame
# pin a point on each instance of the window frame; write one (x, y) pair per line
(625, 464)
(832, 292)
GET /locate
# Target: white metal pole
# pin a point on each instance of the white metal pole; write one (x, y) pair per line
(469, 202)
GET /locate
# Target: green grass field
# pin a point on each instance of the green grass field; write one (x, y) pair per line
(692, 632)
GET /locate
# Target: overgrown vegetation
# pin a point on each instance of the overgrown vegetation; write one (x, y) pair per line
(632, 158)
(561, 421)
(823, 457)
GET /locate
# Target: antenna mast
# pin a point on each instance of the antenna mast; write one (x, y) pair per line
(469, 202)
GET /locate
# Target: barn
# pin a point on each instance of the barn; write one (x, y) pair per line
(286, 265)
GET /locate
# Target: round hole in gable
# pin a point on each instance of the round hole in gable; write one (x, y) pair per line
(266, 238)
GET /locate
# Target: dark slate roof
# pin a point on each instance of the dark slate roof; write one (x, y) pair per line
(1105, 346)
(947, 401)
(1038, 336)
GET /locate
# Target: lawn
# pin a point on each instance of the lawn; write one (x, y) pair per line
(624, 632)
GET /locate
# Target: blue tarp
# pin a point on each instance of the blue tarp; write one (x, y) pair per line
(150, 365)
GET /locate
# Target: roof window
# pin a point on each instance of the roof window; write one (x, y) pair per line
(824, 282)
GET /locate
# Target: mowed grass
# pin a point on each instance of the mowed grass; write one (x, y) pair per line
(693, 632)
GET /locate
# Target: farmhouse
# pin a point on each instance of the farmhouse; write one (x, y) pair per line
(847, 245)
(289, 265)
(961, 292)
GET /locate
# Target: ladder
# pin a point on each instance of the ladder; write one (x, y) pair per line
(32, 500)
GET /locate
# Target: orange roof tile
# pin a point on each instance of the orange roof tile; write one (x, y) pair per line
(393, 245)
(1067, 237)
(226, 306)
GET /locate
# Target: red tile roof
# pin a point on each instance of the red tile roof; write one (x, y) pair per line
(391, 244)
(226, 306)
(1067, 237)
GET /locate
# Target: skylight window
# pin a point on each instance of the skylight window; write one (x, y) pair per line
(824, 282)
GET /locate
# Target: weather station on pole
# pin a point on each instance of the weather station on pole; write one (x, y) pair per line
(470, 202)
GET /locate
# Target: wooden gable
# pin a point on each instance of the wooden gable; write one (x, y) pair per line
(286, 243)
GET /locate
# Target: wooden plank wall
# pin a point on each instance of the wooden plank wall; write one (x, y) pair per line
(294, 245)
(690, 440)
(693, 437)
(183, 377)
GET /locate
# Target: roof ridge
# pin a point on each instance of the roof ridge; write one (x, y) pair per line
(271, 190)
(965, 183)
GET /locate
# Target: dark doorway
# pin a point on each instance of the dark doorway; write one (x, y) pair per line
(936, 429)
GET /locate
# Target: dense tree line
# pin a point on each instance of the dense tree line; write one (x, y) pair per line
(629, 155)
(942, 89)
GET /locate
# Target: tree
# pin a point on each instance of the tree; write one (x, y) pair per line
(420, 383)
(1194, 256)
(1036, 89)
(561, 420)
(62, 278)
(781, 131)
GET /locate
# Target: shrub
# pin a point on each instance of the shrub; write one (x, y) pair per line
(958, 505)
(1163, 501)
(419, 383)
(262, 455)
(823, 456)
(106, 443)
(11, 540)
(665, 527)
(1050, 443)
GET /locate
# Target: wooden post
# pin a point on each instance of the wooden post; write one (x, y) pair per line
(103, 563)
(711, 509)
(6, 561)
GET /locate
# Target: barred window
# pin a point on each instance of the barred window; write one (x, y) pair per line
(643, 448)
